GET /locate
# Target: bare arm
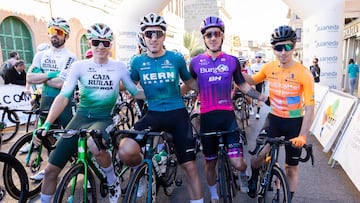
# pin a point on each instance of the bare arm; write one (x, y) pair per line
(307, 120)
(251, 92)
(55, 82)
(248, 79)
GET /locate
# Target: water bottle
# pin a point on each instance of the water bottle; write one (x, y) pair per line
(161, 159)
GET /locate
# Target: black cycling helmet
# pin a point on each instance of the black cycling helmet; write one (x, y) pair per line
(283, 33)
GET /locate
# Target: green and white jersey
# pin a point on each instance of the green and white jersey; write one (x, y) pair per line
(99, 84)
(52, 60)
(159, 77)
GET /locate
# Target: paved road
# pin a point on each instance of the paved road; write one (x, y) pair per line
(318, 184)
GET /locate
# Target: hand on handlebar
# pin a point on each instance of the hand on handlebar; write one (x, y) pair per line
(44, 129)
(299, 141)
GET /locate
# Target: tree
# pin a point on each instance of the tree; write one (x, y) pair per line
(191, 42)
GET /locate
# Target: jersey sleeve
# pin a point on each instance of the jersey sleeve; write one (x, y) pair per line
(70, 82)
(65, 70)
(184, 72)
(308, 87)
(261, 75)
(126, 80)
(37, 60)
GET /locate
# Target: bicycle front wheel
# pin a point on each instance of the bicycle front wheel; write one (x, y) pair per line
(278, 188)
(12, 122)
(71, 186)
(226, 180)
(142, 186)
(36, 164)
(15, 170)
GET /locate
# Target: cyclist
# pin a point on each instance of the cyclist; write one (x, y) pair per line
(49, 68)
(291, 90)
(158, 72)
(215, 71)
(255, 67)
(98, 79)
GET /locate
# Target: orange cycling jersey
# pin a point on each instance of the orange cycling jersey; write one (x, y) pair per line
(289, 88)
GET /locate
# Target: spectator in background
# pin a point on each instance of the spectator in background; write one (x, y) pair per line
(16, 75)
(315, 70)
(353, 71)
(13, 57)
(255, 68)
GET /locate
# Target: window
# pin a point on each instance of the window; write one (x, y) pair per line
(83, 46)
(15, 36)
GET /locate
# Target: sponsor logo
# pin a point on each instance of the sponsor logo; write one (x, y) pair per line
(327, 28)
(332, 74)
(327, 44)
(219, 69)
(328, 59)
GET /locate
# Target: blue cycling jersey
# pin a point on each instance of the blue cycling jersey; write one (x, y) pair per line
(159, 77)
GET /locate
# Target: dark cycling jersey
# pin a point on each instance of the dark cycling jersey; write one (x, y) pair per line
(215, 80)
(160, 79)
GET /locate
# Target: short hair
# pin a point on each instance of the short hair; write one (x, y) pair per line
(19, 63)
(13, 54)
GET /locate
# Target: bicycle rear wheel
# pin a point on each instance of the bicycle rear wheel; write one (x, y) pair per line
(278, 188)
(14, 171)
(32, 169)
(11, 121)
(124, 116)
(138, 189)
(71, 186)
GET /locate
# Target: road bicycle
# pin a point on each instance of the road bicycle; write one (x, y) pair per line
(9, 123)
(273, 185)
(34, 158)
(78, 183)
(123, 114)
(149, 176)
(11, 167)
(227, 176)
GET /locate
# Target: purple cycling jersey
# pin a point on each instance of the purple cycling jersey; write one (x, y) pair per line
(215, 78)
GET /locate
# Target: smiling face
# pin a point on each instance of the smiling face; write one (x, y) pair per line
(154, 39)
(284, 51)
(213, 38)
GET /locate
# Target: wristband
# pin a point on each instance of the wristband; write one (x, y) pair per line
(47, 126)
(37, 70)
(53, 74)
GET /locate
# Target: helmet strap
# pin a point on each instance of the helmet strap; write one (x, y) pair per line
(217, 50)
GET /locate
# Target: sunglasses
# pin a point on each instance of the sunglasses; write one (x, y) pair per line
(96, 43)
(259, 57)
(154, 33)
(215, 34)
(281, 47)
(57, 31)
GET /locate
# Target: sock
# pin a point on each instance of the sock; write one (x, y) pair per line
(197, 201)
(254, 173)
(110, 174)
(213, 191)
(258, 109)
(291, 195)
(45, 198)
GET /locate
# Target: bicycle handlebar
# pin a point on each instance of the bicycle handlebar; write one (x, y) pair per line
(261, 141)
(140, 134)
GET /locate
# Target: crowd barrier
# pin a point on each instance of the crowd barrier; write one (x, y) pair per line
(11, 96)
(336, 127)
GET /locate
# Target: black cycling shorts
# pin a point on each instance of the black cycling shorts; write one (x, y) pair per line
(289, 128)
(220, 121)
(178, 124)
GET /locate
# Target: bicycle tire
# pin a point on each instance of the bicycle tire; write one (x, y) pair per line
(12, 163)
(124, 116)
(34, 186)
(148, 194)
(9, 132)
(278, 188)
(224, 180)
(64, 189)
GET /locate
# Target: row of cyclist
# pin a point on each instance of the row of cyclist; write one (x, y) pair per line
(158, 71)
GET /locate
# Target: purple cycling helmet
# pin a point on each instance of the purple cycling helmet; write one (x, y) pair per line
(212, 21)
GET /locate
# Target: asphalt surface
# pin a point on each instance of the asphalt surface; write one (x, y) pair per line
(318, 184)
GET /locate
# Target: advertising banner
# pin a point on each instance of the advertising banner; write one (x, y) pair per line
(330, 118)
(348, 150)
(11, 96)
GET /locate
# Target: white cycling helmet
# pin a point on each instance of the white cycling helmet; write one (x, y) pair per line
(152, 19)
(61, 23)
(141, 41)
(99, 30)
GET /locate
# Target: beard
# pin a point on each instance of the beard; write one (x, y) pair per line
(56, 42)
